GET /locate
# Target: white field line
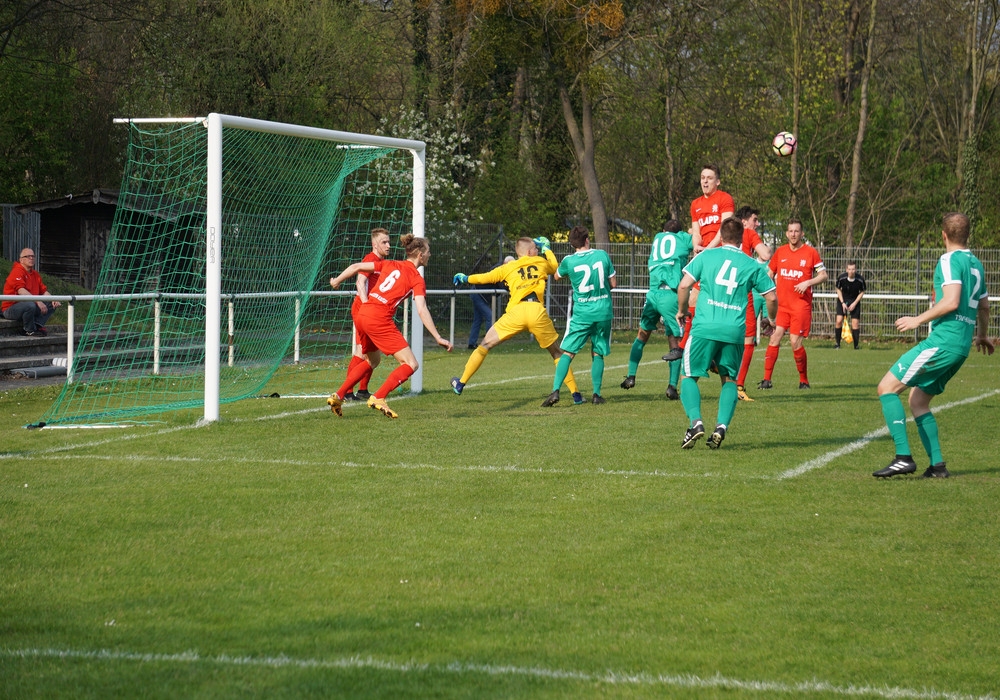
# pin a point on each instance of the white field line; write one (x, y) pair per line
(276, 416)
(458, 668)
(486, 468)
(828, 457)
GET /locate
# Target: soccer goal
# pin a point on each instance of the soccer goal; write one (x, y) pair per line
(214, 285)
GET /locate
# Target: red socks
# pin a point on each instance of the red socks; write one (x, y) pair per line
(770, 357)
(800, 364)
(398, 376)
(355, 370)
(741, 380)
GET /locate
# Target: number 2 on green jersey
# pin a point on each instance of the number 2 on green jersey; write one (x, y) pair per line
(585, 285)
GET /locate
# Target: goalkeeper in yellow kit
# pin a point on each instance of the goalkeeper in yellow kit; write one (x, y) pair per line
(525, 279)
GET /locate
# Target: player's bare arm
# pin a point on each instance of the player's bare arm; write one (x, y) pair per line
(951, 296)
(857, 301)
(420, 303)
(982, 342)
(820, 278)
(351, 271)
(696, 236)
(771, 302)
(717, 241)
(683, 293)
(362, 286)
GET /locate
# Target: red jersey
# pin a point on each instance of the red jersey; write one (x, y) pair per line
(751, 239)
(708, 211)
(791, 267)
(372, 281)
(20, 278)
(398, 279)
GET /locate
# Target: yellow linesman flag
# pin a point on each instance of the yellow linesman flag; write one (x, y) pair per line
(846, 335)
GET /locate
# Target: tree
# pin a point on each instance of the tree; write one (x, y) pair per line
(569, 40)
(859, 141)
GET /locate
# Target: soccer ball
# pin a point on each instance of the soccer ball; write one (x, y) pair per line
(784, 144)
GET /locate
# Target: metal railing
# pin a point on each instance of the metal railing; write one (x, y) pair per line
(620, 296)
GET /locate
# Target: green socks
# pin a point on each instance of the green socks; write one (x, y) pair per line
(691, 399)
(597, 373)
(928, 430)
(635, 356)
(895, 421)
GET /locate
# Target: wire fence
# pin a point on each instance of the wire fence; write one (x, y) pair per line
(900, 282)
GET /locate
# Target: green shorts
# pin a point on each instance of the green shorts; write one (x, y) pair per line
(597, 332)
(660, 303)
(700, 353)
(927, 367)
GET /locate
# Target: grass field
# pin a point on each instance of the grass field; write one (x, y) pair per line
(481, 546)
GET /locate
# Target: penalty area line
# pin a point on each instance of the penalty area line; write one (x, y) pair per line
(828, 457)
(461, 668)
(483, 468)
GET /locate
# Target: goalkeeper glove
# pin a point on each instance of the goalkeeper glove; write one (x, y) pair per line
(543, 244)
(460, 278)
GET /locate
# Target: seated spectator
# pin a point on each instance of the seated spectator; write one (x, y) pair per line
(24, 279)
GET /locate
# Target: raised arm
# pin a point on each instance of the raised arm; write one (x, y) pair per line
(351, 271)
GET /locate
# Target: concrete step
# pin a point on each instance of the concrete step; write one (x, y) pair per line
(19, 345)
(20, 361)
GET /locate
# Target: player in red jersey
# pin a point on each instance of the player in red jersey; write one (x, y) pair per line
(380, 250)
(797, 268)
(753, 246)
(707, 214)
(375, 326)
(709, 210)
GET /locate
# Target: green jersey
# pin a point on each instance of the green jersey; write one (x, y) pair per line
(727, 276)
(667, 258)
(589, 272)
(954, 330)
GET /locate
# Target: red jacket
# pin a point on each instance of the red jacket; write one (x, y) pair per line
(20, 278)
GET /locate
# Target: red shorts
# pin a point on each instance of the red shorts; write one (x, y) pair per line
(375, 333)
(797, 320)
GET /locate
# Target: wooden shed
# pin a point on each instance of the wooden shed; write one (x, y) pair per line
(73, 233)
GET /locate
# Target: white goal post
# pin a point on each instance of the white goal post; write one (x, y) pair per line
(215, 123)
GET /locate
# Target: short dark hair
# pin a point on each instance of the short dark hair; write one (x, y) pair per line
(672, 226)
(796, 221)
(956, 226)
(732, 231)
(851, 262)
(713, 167)
(578, 236)
(745, 212)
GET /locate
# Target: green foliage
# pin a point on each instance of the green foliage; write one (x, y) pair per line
(449, 166)
(482, 79)
(520, 196)
(36, 117)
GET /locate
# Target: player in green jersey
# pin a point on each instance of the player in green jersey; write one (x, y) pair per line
(961, 315)
(727, 276)
(592, 277)
(670, 252)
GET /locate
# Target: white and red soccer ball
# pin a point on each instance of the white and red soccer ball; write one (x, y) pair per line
(784, 144)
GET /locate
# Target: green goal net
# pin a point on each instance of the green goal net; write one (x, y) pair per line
(290, 206)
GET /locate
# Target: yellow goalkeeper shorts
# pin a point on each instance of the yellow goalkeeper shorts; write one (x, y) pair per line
(529, 316)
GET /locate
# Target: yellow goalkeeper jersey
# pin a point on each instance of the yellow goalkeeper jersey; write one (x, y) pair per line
(523, 277)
